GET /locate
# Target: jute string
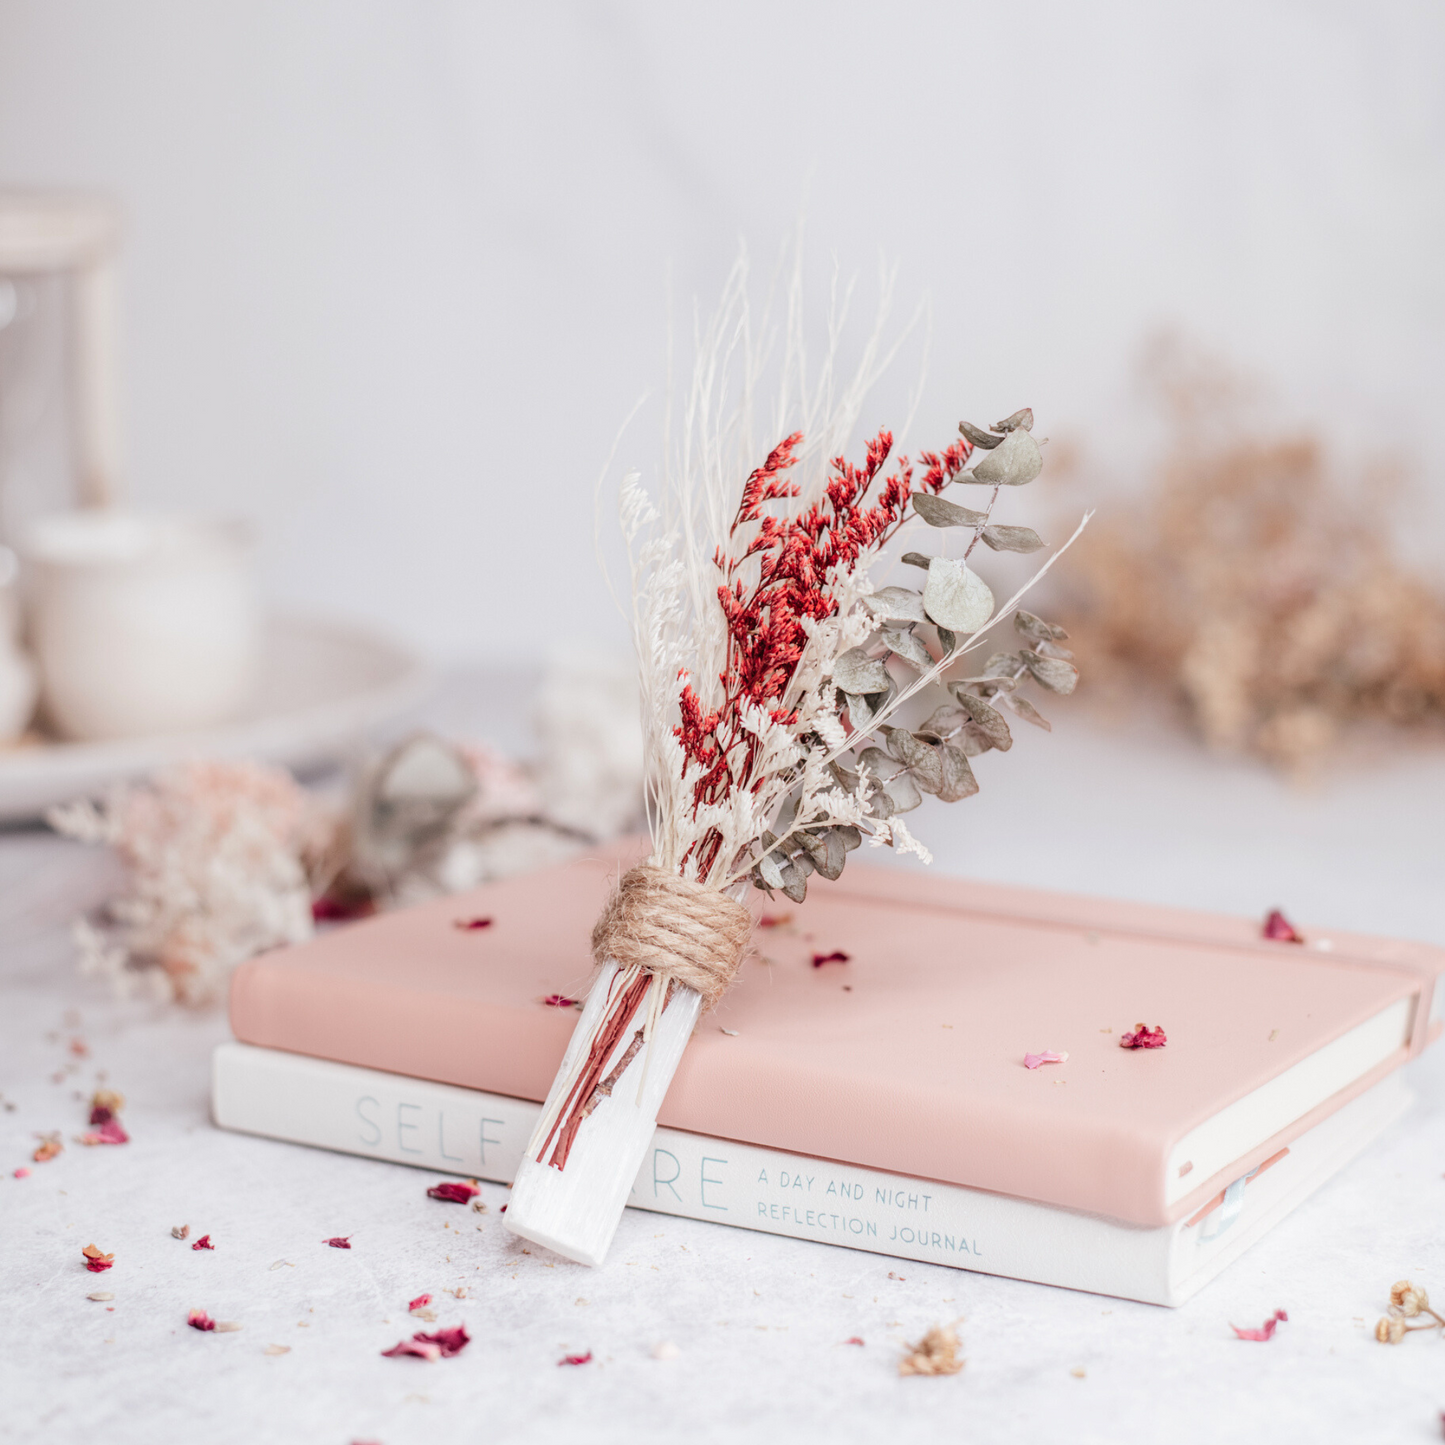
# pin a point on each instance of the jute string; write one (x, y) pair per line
(681, 930)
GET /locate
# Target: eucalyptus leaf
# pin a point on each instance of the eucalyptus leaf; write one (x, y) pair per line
(940, 512)
(1052, 672)
(944, 721)
(828, 855)
(1011, 539)
(946, 640)
(922, 760)
(978, 436)
(902, 794)
(1015, 462)
(1027, 711)
(771, 870)
(956, 598)
(858, 674)
(971, 741)
(860, 712)
(908, 647)
(900, 602)
(1036, 629)
(880, 805)
(916, 559)
(879, 764)
(845, 779)
(989, 720)
(1001, 664)
(850, 835)
(958, 780)
(795, 882)
(1021, 420)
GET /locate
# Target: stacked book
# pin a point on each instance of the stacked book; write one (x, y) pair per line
(873, 1079)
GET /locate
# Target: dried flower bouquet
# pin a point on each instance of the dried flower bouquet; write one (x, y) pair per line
(774, 677)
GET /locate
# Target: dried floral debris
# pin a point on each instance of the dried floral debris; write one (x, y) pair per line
(775, 920)
(204, 1242)
(582, 1359)
(21, 1173)
(935, 1354)
(95, 1261)
(560, 1000)
(1143, 1037)
(853, 1340)
(200, 1320)
(1265, 1331)
(1035, 1061)
(836, 956)
(1279, 928)
(48, 1147)
(110, 1132)
(1407, 1302)
(180, 1231)
(277, 1350)
(101, 1296)
(338, 1241)
(472, 925)
(419, 1303)
(439, 1346)
(454, 1191)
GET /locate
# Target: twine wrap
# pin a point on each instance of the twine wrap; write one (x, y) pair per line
(682, 931)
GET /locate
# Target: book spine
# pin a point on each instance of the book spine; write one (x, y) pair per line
(463, 1131)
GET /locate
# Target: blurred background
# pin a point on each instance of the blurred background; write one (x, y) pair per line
(393, 274)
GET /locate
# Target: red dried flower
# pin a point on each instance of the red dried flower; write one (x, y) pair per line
(338, 1241)
(440, 1346)
(200, 1320)
(576, 1359)
(1144, 1037)
(559, 1000)
(1278, 927)
(1265, 1331)
(341, 910)
(110, 1132)
(204, 1242)
(420, 1302)
(95, 1261)
(837, 956)
(470, 925)
(453, 1191)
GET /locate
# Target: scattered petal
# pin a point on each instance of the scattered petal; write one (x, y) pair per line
(341, 910)
(774, 920)
(110, 1132)
(478, 1207)
(853, 1340)
(471, 925)
(50, 1146)
(559, 1000)
(420, 1302)
(1265, 1331)
(731, 1033)
(1032, 1061)
(453, 1191)
(101, 1295)
(935, 1354)
(80, 1048)
(200, 1320)
(899, 1277)
(22, 1173)
(227, 1327)
(95, 1261)
(338, 1241)
(440, 1346)
(1278, 927)
(204, 1242)
(277, 1350)
(180, 1231)
(1144, 1038)
(664, 1351)
(1078, 1372)
(837, 956)
(576, 1359)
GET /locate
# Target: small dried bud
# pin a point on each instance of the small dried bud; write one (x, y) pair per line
(1390, 1330)
(1412, 1301)
(1398, 1289)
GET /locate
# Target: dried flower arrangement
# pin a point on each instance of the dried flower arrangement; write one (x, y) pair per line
(1407, 1302)
(773, 678)
(1249, 586)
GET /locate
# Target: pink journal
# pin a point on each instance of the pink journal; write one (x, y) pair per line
(885, 1023)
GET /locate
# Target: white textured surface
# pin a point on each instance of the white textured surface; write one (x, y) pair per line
(759, 1322)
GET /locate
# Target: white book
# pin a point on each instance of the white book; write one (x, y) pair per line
(459, 1131)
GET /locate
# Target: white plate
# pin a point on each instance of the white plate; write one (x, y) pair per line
(323, 687)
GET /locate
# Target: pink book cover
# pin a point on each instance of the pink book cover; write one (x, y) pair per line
(908, 1053)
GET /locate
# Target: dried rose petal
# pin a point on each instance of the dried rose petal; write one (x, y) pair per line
(200, 1320)
(338, 1241)
(453, 1191)
(1278, 927)
(22, 1173)
(1265, 1331)
(774, 920)
(440, 1346)
(204, 1242)
(471, 925)
(559, 1000)
(837, 956)
(50, 1146)
(853, 1340)
(110, 1132)
(1144, 1037)
(576, 1359)
(95, 1261)
(1032, 1061)
(420, 1302)
(341, 910)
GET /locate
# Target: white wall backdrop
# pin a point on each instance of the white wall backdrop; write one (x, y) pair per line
(396, 269)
